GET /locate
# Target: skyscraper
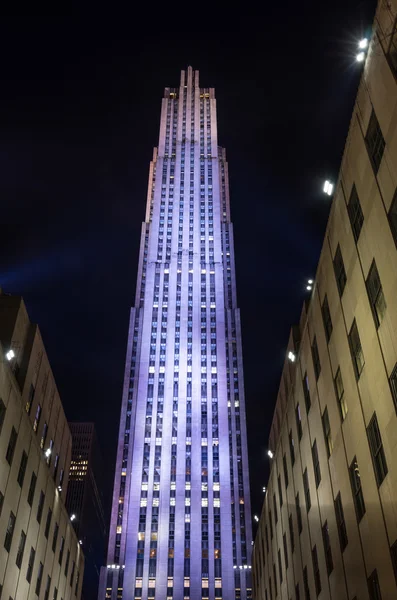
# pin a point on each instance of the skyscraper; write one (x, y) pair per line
(180, 523)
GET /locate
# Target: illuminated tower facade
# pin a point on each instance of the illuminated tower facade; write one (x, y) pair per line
(180, 523)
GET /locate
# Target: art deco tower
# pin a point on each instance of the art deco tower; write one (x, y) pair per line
(181, 524)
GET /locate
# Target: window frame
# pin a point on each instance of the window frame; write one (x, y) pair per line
(356, 215)
(376, 297)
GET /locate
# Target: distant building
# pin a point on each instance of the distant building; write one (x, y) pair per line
(85, 500)
(40, 556)
(328, 526)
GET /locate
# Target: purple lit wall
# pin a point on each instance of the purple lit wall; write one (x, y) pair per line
(181, 523)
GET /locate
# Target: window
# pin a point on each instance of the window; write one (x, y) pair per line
(48, 523)
(55, 537)
(291, 533)
(373, 586)
(393, 385)
(327, 548)
(306, 392)
(285, 468)
(280, 492)
(298, 421)
(339, 269)
(393, 217)
(326, 318)
(316, 464)
(32, 488)
(11, 445)
(297, 592)
(291, 446)
(61, 549)
(355, 213)
(392, 51)
(2, 413)
(40, 507)
(275, 578)
(393, 553)
(9, 531)
(377, 452)
(72, 573)
(285, 550)
(307, 490)
(30, 564)
(298, 513)
(355, 481)
(375, 294)
(47, 588)
(21, 548)
(39, 578)
(1, 504)
(339, 390)
(375, 142)
(316, 359)
(356, 350)
(306, 584)
(340, 521)
(280, 567)
(316, 571)
(327, 432)
(67, 563)
(22, 468)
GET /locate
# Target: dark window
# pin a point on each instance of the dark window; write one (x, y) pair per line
(271, 524)
(375, 294)
(61, 549)
(373, 586)
(340, 394)
(1, 504)
(67, 563)
(306, 584)
(275, 578)
(327, 548)
(55, 596)
(21, 548)
(291, 533)
(306, 392)
(393, 552)
(316, 464)
(355, 213)
(32, 488)
(327, 432)
(47, 588)
(11, 445)
(40, 507)
(375, 142)
(72, 573)
(39, 578)
(9, 531)
(393, 385)
(316, 359)
(298, 421)
(358, 498)
(377, 452)
(340, 521)
(285, 550)
(30, 564)
(285, 471)
(393, 217)
(55, 537)
(356, 350)
(291, 446)
(22, 468)
(297, 592)
(298, 513)
(307, 490)
(392, 51)
(280, 492)
(30, 398)
(267, 539)
(275, 509)
(48, 523)
(339, 269)
(316, 571)
(2, 413)
(326, 319)
(280, 567)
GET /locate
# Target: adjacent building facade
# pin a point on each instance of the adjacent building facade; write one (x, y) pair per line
(85, 500)
(180, 523)
(328, 526)
(40, 556)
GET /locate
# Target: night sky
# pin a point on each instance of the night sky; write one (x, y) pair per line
(79, 116)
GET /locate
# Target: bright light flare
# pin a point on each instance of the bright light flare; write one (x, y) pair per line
(256, 518)
(10, 355)
(270, 454)
(291, 356)
(72, 517)
(362, 44)
(360, 57)
(328, 187)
